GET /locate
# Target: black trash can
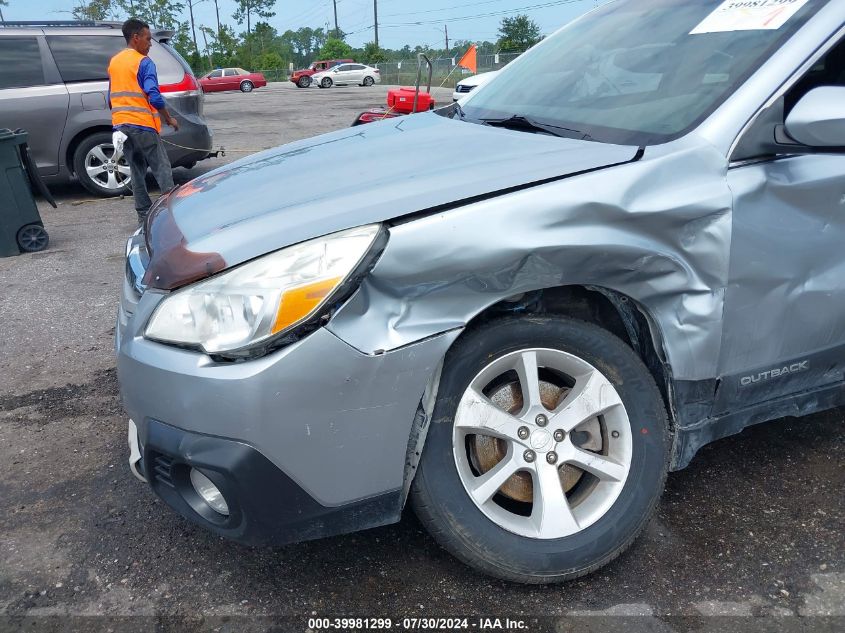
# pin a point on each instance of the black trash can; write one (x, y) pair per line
(21, 228)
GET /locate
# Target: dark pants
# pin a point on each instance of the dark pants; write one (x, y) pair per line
(144, 149)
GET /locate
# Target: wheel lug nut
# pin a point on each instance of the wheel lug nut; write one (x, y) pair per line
(523, 432)
(541, 420)
(551, 457)
(528, 456)
(614, 434)
(559, 435)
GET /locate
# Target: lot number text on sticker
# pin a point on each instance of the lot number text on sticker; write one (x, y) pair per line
(749, 15)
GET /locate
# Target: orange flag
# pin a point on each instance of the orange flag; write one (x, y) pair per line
(470, 59)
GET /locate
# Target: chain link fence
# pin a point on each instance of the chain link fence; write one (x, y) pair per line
(276, 74)
(445, 72)
(405, 72)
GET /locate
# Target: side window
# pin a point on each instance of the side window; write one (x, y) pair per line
(84, 57)
(829, 71)
(170, 66)
(766, 137)
(21, 67)
(342, 68)
(216, 74)
(230, 72)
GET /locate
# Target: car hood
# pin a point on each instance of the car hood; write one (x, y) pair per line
(366, 174)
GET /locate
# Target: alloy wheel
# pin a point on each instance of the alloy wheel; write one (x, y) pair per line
(107, 168)
(542, 443)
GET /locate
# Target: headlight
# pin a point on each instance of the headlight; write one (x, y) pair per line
(262, 298)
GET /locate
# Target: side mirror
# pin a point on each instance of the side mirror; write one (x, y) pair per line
(818, 119)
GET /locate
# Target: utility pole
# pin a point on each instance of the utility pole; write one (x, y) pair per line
(207, 52)
(446, 30)
(193, 30)
(375, 19)
(336, 29)
(217, 11)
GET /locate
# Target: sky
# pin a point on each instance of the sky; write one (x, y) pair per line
(465, 19)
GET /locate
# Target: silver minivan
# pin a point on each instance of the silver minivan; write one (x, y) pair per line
(54, 84)
(546, 297)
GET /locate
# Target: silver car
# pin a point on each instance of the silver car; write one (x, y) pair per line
(465, 86)
(546, 297)
(346, 74)
(54, 84)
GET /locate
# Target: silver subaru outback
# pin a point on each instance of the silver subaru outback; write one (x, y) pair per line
(549, 295)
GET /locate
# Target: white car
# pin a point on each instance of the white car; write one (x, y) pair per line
(465, 86)
(347, 74)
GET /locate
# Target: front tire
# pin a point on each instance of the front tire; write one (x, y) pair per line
(247, 86)
(326, 83)
(547, 452)
(304, 82)
(369, 81)
(97, 168)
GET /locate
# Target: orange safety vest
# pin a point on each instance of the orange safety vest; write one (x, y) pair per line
(129, 104)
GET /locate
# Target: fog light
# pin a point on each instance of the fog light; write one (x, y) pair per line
(209, 492)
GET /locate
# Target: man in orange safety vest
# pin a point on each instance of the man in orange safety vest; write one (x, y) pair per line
(137, 109)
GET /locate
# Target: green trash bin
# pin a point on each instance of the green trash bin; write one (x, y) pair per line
(21, 228)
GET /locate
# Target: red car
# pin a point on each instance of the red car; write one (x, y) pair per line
(302, 78)
(231, 79)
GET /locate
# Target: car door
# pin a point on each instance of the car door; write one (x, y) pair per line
(33, 97)
(341, 74)
(784, 320)
(215, 80)
(231, 79)
(357, 73)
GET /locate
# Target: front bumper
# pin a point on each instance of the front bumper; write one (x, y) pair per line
(266, 507)
(312, 431)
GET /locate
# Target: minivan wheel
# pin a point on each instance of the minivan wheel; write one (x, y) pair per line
(548, 449)
(98, 169)
(326, 83)
(247, 86)
(304, 82)
(369, 81)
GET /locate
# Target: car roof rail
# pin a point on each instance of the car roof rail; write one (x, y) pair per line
(52, 23)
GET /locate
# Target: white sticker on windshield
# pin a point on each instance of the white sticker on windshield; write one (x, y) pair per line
(749, 15)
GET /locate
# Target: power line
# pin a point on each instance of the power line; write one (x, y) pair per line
(460, 6)
(487, 15)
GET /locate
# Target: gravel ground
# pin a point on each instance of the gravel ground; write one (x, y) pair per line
(753, 527)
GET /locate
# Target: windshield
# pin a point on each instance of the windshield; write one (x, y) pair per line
(640, 72)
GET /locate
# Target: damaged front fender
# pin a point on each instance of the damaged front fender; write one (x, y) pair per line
(656, 230)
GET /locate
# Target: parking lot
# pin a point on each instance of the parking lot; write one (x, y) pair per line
(754, 527)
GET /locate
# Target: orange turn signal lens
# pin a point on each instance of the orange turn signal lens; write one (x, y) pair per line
(298, 303)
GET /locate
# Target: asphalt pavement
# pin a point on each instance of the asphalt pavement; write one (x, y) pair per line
(753, 527)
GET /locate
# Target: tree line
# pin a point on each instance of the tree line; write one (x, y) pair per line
(261, 46)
